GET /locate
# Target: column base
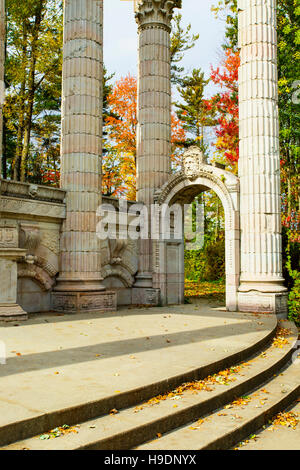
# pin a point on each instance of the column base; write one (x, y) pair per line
(12, 312)
(143, 280)
(71, 285)
(264, 302)
(146, 296)
(84, 302)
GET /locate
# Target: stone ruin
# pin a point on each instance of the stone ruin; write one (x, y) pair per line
(50, 256)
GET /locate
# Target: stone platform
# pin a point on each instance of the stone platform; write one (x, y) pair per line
(63, 369)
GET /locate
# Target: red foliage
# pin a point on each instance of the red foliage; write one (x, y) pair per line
(227, 106)
(121, 130)
(51, 177)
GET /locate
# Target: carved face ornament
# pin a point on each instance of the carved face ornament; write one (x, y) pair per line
(192, 159)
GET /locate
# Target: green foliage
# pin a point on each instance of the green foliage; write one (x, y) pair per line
(194, 111)
(33, 78)
(181, 41)
(291, 261)
(227, 11)
(294, 301)
(207, 264)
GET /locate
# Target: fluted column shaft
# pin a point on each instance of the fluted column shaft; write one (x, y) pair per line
(154, 110)
(81, 151)
(259, 163)
(154, 106)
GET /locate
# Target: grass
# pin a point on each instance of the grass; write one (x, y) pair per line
(205, 289)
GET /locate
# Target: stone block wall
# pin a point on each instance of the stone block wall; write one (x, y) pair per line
(31, 218)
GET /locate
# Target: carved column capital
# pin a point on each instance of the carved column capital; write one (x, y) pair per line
(156, 13)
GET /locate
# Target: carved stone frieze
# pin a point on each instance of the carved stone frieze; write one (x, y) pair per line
(9, 237)
(81, 302)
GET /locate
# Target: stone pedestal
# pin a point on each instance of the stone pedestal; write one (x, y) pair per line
(72, 302)
(263, 302)
(261, 282)
(9, 309)
(146, 296)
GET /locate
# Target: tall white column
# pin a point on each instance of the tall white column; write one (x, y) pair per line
(261, 282)
(81, 158)
(154, 110)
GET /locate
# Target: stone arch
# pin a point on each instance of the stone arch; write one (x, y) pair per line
(182, 189)
(119, 272)
(39, 275)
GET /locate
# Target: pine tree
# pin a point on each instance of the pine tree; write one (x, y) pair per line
(195, 112)
(181, 41)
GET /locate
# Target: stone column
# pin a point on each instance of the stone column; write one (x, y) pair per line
(261, 282)
(2, 62)
(154, 110)
(80, 283)
(10, 254)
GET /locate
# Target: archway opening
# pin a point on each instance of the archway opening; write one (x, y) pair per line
(204, 250)
(181, 190)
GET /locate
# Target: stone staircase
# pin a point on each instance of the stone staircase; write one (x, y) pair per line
(209, 412)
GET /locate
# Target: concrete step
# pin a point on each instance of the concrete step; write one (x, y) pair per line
(283, 433)
(36, 399)
(228, 425)
(135, 425)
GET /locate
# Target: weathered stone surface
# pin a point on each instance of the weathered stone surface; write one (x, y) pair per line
(259, 163)
(79, 302)
(145, 296)
(9, 309)
(31, 214)
(168, 256)
(81, 155)
(154, 110)
(263, 302)
(9, 237)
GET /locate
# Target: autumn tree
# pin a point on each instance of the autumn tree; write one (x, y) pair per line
(226, 104)
(122, 123)
(33, 77)
(121, 127)
(194, 111)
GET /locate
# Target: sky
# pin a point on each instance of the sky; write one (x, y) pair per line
(120, 37)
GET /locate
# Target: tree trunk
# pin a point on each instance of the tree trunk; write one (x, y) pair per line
(21, 98)
(31, 90)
